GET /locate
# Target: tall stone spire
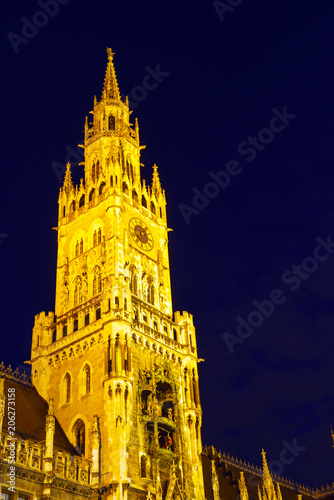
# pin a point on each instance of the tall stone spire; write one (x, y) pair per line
(266, 477)
(269, 492)
(110, 86)
(156, 186)
(68, 184)
(242, 487)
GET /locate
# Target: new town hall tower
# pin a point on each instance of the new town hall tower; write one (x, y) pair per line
(119, 372)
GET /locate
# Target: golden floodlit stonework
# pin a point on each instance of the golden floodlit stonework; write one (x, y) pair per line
(112, 410)
(121, 370)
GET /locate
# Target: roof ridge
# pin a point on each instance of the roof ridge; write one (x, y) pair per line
(315, 493)
(15, 375)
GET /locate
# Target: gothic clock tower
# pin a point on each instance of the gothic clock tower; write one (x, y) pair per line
(121, 370)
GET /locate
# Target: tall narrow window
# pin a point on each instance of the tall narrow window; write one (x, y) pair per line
(75, 324)
(99, 235)
(87, 319)
(125, 188)
(81, 245)
(77, 249)
(95, 238)
(134, 283)
(111, 122)
(67, 387)
(79, 436)
(91, 194)
(97, 170)
(97, 282)
(101, 188)
(82, 201)
(93, 172)
(134, 195)
(152, 208)
(150, 294)
(98, 313)
(54, 336)
(77, 291)
(144, 201)
(143, 466)
(111, 181)
(87, 379)
(64, 330)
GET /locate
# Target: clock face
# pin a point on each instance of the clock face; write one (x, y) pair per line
(141, 234)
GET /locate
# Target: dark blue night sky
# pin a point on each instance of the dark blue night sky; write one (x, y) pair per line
(238, 113)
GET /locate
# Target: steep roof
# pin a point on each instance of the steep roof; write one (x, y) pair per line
(30, 412)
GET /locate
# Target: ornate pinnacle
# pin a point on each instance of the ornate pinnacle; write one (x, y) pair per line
(68, 184)
(156, 186)
(243, 487)
(110, 87)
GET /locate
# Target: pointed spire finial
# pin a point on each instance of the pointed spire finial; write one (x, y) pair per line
(242, 487)
(68, 184)
(156, 186)
(110, 87)
(268, 485)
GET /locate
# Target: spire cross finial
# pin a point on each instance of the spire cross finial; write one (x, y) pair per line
(110, 54)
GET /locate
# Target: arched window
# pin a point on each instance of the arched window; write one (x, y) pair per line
(144, 201)
(64, 211)
(101, 188)
(134, 283)
(54, 336)
(111, 181)
(91, 194)
(77, 249)
(82, 201)
(87, 379)
(111, 122)
(175, 334)
(152, 208)
(72, 206)
(79, 436)
(97, 281)
(67, 388)
(97, 170)
(143, 466)
(125, 188)
(150, 294)
(93, 172)
(99, 235)
(64, 330)
(81, 245)
(134, 195)
(95, 238)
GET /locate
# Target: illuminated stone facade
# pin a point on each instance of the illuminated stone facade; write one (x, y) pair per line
(113, 352)
(113, 408)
